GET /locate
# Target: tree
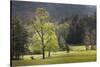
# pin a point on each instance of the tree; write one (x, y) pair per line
(18, 38)
(50, 39)
(42, 27)
(87, 40)
(89, 26)
(63, 31)
(76, 31)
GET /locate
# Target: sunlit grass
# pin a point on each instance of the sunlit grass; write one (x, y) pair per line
(58, 57)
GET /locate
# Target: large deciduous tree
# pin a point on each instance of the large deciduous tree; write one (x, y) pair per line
(50, 40)
(42, 27)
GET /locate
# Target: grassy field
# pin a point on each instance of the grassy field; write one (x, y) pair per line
(58, 57)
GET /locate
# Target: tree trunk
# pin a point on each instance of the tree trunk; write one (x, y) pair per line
(87, 47)
(43, 46)
(92, 41)
(67, 49)
(17, 57)
(49, 53)
(43, 49)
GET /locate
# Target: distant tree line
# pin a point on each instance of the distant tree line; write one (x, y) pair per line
(18, 39)
(81, 30)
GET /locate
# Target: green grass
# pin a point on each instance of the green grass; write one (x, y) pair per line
(58, 57)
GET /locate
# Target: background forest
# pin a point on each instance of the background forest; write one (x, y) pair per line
(44, 33)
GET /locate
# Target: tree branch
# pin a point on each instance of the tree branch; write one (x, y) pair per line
(37, 30)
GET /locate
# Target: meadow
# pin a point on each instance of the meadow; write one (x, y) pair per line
(59, 57)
